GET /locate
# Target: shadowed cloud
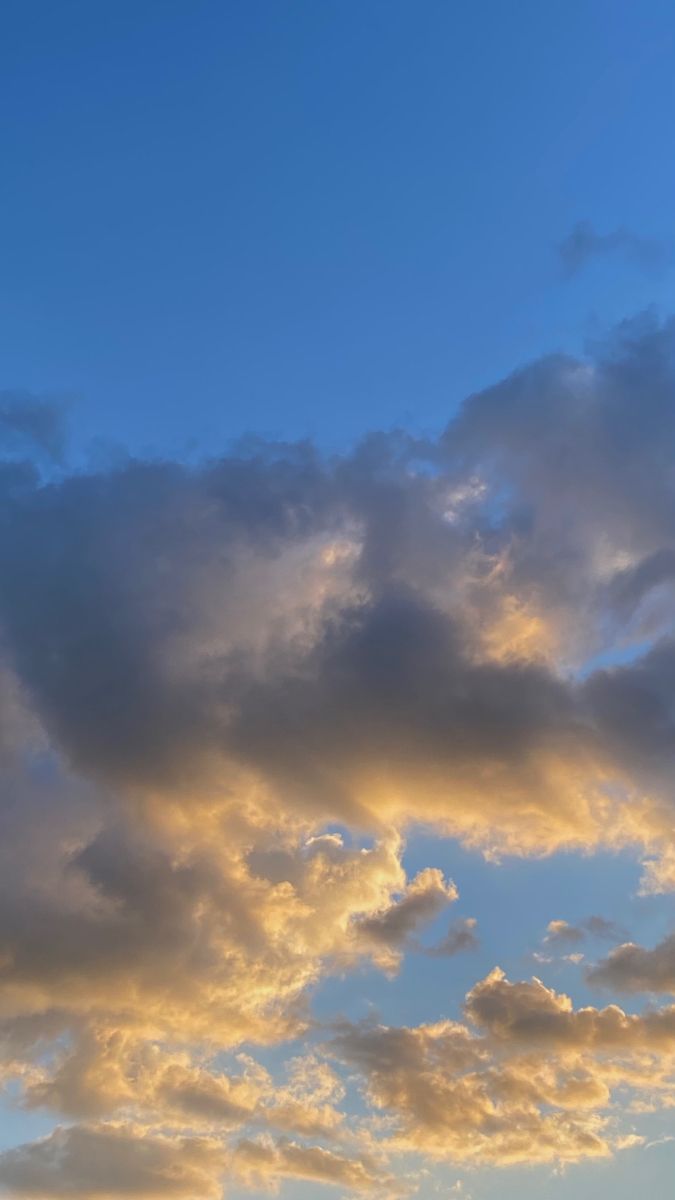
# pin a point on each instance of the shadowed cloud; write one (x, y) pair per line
(206, 671)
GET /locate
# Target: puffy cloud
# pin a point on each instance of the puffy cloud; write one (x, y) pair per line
(109, 1161)
(258, 1161)
(632, 968)
(532, 1014)
(561, 931)
(366, 639)
(206, 671)
(529, 1079)
(460, 936)
(111, 1073)
(106, 1162)
(425, 897)
(179, 938)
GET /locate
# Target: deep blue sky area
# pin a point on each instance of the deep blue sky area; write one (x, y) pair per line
(317, 218)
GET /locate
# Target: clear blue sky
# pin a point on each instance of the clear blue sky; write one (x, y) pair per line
(317, 217)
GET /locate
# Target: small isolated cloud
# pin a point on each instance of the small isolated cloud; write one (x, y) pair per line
(460, 936)
(583, 244)
(632, 968)
(563, 934)
(601, 928)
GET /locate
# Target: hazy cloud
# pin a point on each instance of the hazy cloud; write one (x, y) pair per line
(28, 424)
(583, 244)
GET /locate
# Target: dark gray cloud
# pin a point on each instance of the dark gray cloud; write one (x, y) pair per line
(388, 684)
(460, 936)
(161, 617)
(632, 705)
(28, 424)
(561, 933)
(584, 244)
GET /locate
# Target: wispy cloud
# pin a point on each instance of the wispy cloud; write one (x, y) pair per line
(584, 243)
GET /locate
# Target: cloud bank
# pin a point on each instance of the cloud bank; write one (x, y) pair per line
(229, 692)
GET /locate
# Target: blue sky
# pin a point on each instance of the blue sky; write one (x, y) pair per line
(321, 220)
(317, 218)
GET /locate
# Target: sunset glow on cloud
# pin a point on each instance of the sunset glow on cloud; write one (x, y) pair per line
(232, 693)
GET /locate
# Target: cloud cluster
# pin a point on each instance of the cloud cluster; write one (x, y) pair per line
(227, 693)
(528, 1078)
(382, 638)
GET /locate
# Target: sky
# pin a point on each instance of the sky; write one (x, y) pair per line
(337, 608)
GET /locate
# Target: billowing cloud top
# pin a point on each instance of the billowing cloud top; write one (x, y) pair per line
(230, 692)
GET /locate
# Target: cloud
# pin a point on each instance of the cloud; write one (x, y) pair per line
(105, 1162)
(527, 1079)
(600, 927)
(425, 897)
(584, 244)
(562, 933)
(460, 936)
(28, 424)
(109, 1161)
(632, 968)
(369, 642)
(257, 1161)
(206, 672)
(659, 1142)
(140, 920)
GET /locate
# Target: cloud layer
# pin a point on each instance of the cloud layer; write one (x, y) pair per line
(227, 695)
